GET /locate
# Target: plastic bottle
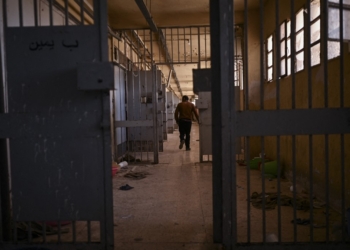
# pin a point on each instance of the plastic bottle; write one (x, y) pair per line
(123, 164)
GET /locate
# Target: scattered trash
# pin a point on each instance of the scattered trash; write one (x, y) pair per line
(123, 164)
(126, 187)
(271, 200)
(130, 158)
(136, 175)
(301, 221)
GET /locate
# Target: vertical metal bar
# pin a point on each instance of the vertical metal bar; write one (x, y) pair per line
(101, 21)
(294, 189)
(309, 79)
(261, 15)
(342, 62)
(343, 192)
(66, 12)
(277, 46)
(308, 57)
(36, 13)
(140, 91)
(263, 188)
(178, 45)
(311, 191)
(82, 18)
(154, 107)
(327, 185)
(190, 41)
(324, 48)
(278, 53)
(185, 54)
(74, 231)
(159, 51)
(134, 98)
(172, 46)
(342, 151)
(5, 200)
(133, 102)
(247, 157)
(89, 231)
(199, 47)
(51, 12)
(4, 12)
(279, 174)
(223, 118)
(245, 57)
(292, 45)
(107, 222)
(205, 46)
(20, 9)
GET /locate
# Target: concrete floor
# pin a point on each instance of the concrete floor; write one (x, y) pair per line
(169, 209)
(172, 207)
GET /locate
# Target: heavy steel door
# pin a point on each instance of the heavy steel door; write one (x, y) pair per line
(58, 124)
(296, 112)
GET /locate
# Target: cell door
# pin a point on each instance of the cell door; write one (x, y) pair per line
(291, 189)
(58, 124)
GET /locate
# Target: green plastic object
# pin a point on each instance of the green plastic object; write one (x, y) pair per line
(254, 163)
(270, 168)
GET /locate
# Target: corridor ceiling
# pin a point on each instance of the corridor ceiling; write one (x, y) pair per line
(125, 14)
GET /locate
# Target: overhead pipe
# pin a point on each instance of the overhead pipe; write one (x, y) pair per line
(153, 26)
(147, 15)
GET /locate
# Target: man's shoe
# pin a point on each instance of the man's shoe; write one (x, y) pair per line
(188, 149)
(182, 142)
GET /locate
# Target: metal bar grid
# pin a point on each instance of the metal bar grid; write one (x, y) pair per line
(294, 138)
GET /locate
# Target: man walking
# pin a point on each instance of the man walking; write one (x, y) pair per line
(183, 117)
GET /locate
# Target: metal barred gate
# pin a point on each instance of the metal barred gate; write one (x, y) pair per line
(57, 123)
(294, 122)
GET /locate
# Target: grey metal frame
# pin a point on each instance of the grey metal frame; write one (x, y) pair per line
(229, 124)
(29, 126)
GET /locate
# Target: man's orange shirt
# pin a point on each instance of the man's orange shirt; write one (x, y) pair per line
(185, 109)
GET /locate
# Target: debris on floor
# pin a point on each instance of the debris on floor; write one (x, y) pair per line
(271, 201)
(125, 187)
(130, 158)
(136, 175)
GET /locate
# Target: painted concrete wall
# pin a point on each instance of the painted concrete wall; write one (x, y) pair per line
(301, 102)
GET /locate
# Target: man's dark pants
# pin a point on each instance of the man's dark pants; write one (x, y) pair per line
(185, 129)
